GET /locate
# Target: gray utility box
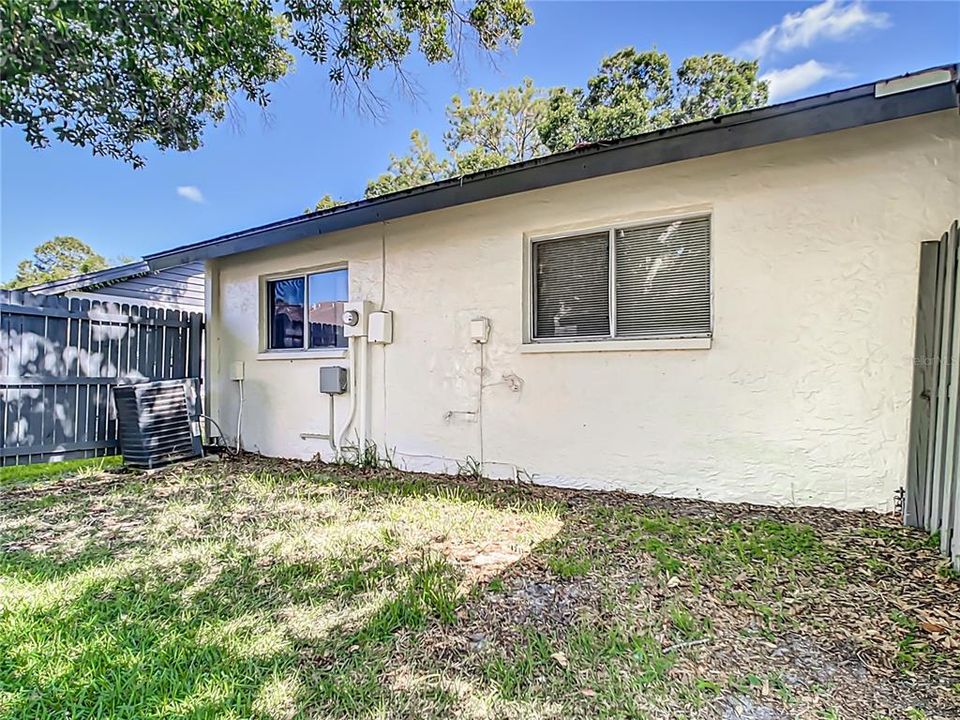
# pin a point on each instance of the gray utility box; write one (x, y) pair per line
(333, 380)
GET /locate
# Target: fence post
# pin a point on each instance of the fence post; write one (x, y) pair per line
(195, 345)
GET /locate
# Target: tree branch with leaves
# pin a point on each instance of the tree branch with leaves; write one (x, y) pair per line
(633, 92)
(115, 75)
(636, 92)
(55, 259)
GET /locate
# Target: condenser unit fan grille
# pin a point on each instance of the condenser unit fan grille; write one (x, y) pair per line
(158, 422)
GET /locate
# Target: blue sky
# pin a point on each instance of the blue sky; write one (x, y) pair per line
(260, 167)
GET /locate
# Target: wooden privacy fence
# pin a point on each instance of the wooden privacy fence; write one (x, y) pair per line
(933, 482)
(60, 358)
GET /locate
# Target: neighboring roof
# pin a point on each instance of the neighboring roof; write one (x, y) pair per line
(915, 94)
(180, 285)
(91, 280)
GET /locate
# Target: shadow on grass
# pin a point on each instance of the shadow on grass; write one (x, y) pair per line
(209, 634)
(105, 615)
(285, 589)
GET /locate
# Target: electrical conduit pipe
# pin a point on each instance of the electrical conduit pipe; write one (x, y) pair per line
(341, 436)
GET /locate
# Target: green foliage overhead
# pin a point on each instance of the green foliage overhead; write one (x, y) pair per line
(633, 92)
(56, 259)
(485, 130)
(113, 75)
(636, 92)
(420, 166)
(325, 203)
(492, 129)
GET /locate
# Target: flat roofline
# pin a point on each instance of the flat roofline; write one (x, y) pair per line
(829, 112)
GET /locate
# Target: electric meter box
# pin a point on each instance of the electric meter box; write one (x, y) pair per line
(333, 380)
(356, 315)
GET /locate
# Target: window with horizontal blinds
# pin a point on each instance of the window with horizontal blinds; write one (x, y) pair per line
(661, 283)
(572, 280)
(663, 279)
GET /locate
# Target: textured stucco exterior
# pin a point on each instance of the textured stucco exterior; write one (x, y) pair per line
(802, 397)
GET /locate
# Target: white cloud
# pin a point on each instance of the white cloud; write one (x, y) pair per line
(830, 20)
(789, 81)
(191, 193)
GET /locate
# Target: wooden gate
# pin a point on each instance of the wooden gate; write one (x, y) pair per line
(932, 499)
(60, 358)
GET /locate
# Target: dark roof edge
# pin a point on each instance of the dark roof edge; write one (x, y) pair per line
(95, 279)
(829, 112)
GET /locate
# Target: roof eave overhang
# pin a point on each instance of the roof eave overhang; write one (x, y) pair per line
(842, 110)
(89, 281)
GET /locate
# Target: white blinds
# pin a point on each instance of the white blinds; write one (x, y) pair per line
(572, 280)
(661, 283)
(663, 279)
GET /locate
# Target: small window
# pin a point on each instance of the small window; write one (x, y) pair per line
(635, 282)
(573, 275)
(306, 311)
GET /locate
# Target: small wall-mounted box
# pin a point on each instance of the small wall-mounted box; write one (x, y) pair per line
(381, 327)
(236, 370)
(333, 380)
(480, 330)
(356, 316)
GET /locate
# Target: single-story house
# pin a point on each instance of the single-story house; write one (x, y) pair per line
(723, 309)
(177, 288)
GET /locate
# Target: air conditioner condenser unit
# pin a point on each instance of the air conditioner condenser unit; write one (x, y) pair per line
(158, 422)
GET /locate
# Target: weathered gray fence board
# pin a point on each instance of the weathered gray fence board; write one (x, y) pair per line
(937, 366)
(59, 360)
(923, 380)
(933, 487)
(953, 399)
(946, 346)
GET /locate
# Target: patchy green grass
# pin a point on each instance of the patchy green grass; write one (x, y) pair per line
(267, 589)
(614, 668)
(203, 593)
(50, 471)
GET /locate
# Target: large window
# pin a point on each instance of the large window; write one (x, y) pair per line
(632, 282)
(306, 311)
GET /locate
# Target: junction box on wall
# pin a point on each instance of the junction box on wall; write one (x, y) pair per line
(480, 330)
(380, 330)
(333, 380)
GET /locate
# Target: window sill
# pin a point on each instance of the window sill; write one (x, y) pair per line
(618, 345)
(332, 354)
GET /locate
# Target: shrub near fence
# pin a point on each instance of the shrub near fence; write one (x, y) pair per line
(60, 358)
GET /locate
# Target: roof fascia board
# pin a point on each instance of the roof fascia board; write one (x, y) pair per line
(87, 280)
(812, 116)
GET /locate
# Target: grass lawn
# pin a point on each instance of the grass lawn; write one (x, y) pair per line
(42, 471)
(256, 588)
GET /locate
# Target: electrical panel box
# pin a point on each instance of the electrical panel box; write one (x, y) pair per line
(236, 370)
(356, 315)
(480, 330)
(381, 327)
(333, 380)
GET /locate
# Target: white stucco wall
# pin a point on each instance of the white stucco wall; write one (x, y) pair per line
(802, 398)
